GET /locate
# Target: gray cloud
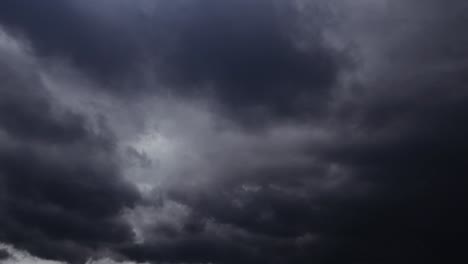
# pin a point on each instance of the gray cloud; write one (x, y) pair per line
(353, 153)
(62, 192)
(258, 58)
(4, 254)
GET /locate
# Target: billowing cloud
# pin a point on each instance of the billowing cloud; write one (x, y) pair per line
(11, 255)
(264, 131)
(257, 57)
(62, 193)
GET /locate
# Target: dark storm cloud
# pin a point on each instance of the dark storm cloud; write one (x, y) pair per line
(198, 250)
(4, 254)
(401, 144)
(249, 53)
(414, 153)
(60, 28)
(61, 191)
(256, 57)
(380, 177)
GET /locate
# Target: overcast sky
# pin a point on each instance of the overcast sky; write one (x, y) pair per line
(233, 131)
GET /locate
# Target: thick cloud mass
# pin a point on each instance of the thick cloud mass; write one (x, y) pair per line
(61, 190)
(4, 254)
(255, 56)
(61, 28)
(203, 131)
(247, 52)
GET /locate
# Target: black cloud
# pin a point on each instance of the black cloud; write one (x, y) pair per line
(248, 53)
(60, 28)
(4, 254)
(61, 191)
(255, 57)
(402, 145)
(382, 181)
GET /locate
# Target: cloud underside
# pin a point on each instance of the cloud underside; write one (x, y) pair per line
(233, 132)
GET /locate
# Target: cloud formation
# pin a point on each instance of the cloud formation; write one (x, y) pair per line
(61, 188)
(257, 57)
(263, 131)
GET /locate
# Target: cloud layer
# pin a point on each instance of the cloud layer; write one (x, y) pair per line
(263, 131)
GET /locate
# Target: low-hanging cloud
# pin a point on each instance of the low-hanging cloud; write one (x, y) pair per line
(261, 131)
(62, 192)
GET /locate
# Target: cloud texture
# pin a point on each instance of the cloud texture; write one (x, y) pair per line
(202, 131)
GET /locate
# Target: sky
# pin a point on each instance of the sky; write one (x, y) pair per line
(235, 131)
